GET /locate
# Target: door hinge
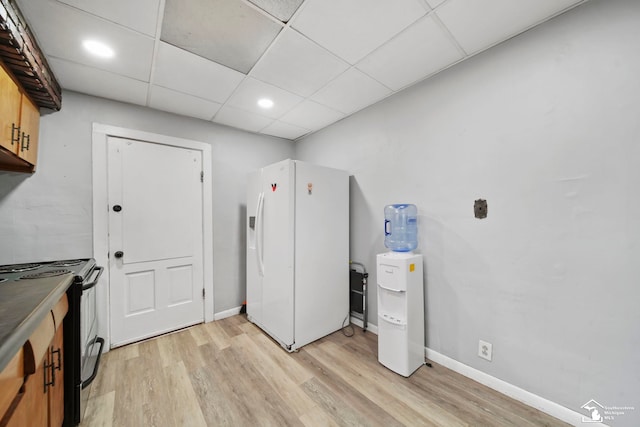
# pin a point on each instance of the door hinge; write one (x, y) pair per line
(201, 176)
(202, 293)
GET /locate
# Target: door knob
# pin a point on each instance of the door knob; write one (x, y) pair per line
(118, 254)
(117, 208)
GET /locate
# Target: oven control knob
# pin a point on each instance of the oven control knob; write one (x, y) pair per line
(118, 254)
(117, 208)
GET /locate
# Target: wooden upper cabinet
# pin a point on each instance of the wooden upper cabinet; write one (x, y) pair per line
(10, 105)
(19, 127)
(29, 129)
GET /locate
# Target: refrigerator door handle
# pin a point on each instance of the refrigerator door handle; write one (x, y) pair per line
(259, 232)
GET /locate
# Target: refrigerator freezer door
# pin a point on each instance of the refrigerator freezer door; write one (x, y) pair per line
(277, 251)
(322, 251)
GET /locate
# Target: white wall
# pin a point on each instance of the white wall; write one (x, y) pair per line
(48, 215)
(546, 128)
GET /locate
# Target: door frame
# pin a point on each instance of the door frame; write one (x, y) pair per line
(100, 135)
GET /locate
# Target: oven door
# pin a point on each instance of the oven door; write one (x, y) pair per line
(90, 344)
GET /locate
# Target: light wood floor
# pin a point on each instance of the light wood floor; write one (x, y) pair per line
(229, 373)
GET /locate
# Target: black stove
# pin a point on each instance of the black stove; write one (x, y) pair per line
(44, 274)
(80, 268)
(18, 268)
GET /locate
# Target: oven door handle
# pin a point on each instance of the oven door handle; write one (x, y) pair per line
(95, 281)
(95, 367)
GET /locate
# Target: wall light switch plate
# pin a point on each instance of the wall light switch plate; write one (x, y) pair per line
(485, 350)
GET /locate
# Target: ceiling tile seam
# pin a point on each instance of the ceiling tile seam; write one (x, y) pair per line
(200, 56)
(425, 4)
(101, 18)
(246, 76)
(524, 29)
(233, 92)
(321, 47)
(262, 131)
(268, 49)
(290, 124)
(429, 14)
(440, 5)
(234, 127)
(156, 48)
(331, 81)
(425, 13)
(187, 94)
(284, 112)
(448, 33)
(285, 27)
(95, 68)
(263, 12)
(394, 35)
(421, 79)
(323, 127)
(273, 42)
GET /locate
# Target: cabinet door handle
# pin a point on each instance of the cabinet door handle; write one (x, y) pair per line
(48, 383)
(27, 137)
(58, 351)
(15, 133)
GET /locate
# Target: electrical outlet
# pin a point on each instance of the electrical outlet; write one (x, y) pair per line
(485, 350)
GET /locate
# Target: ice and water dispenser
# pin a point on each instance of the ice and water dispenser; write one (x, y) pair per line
(400, 293)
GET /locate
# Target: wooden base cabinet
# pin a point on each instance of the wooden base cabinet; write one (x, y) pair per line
(40, 400)
(56, 391)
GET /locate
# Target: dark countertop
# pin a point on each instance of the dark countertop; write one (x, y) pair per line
(23, 305)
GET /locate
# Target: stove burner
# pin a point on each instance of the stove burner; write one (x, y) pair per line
(16, 268)
(45, 274)
(3, 279)
(67, 263)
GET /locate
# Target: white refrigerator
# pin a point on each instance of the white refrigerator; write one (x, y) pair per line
(298, 251)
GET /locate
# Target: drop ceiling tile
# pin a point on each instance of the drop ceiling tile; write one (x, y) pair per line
(139, 15)
(251, 90)
(225, 31)
(80, 78)
(420, 50)
(311, 115)
(298, 65)
(351, 92)
(478, 25)
(280, 9)
(241, 119)
(60, 30)
(181, 103)
(352, 29)
(284, 130)
(185, 72)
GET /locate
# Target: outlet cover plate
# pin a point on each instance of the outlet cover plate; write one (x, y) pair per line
(485, 350)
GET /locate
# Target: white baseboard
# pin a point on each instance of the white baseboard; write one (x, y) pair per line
(535, 401)
(227, 313)
(371, 328)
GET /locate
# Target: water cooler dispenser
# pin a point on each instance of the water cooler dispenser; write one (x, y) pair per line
(400, 293)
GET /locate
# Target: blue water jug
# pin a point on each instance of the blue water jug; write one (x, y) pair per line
(401, 227)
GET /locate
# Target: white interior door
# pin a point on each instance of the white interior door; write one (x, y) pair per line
(155, 239)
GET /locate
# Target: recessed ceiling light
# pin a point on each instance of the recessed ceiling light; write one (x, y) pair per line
(265, 103)
(98, 48)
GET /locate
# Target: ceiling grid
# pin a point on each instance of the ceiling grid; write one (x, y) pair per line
(318, 60)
